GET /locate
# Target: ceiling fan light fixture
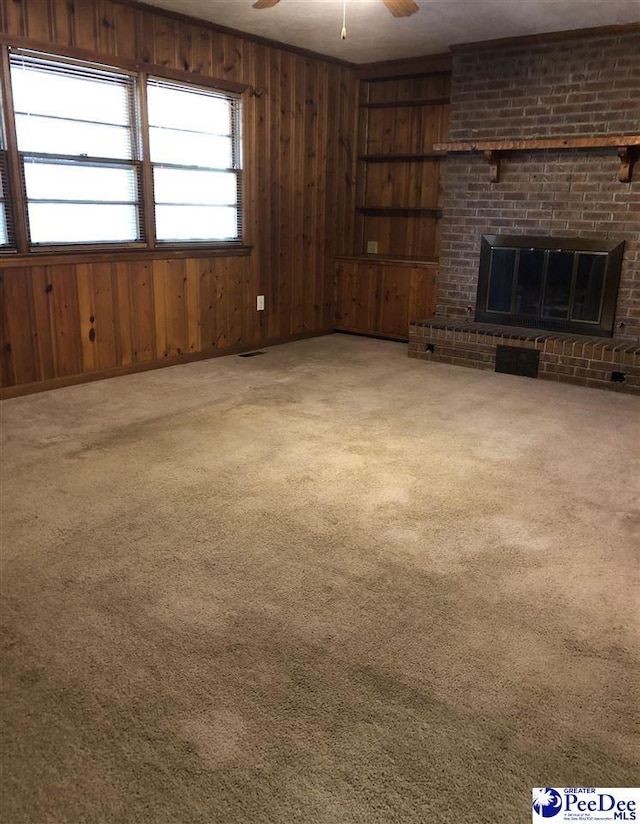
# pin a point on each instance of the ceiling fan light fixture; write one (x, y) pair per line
(398, 8)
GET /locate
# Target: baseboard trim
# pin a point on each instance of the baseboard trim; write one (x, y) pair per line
(8, 392)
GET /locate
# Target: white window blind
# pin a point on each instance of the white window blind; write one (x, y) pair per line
(7, 239)
(78, 143)
(194, 137)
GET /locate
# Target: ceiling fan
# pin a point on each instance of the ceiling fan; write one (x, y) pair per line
(398, 8)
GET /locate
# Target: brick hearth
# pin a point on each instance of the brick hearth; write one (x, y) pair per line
(573, 359)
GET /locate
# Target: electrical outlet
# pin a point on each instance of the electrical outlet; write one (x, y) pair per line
(260, 303)
(372, 247)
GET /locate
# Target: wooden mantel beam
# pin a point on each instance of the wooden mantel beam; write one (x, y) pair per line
(626, 144)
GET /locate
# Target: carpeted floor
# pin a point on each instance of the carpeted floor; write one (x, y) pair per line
(327, 584)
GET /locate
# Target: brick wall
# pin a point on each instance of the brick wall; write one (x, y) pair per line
(599, 363)
(580, 87)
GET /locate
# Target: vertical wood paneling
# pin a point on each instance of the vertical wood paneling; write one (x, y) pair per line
(106, 27)
(358, 294)
(65, 320)
(123, 313)
(383, 298)
(43, 325)
(61, 22)
(299, 144)
(185, 48)
(208, 305)
(107, 349)
(87, 312)
(235, 299)
(38, 21)
(85, 28)
(192, 305)
(15, 17)
(124, 21)
(143, 311)
(165, 41)
(402, 129)
(19, 327)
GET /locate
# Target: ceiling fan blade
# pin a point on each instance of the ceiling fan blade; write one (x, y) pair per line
(401, 8)
(265, 4)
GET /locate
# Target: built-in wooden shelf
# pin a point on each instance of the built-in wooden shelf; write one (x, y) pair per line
(627, 145)
(401, 158)
(398, 211)
(396, 104)
(402, 260)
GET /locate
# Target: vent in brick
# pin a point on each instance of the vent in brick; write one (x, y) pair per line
(516, 360)
(618, 377)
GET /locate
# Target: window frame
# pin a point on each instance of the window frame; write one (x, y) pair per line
(5, 185)
(148, 246)
(133, 162)
(236, 158)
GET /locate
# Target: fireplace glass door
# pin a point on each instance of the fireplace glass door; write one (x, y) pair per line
(559, 284)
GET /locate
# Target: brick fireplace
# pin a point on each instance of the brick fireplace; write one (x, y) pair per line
(588, 88)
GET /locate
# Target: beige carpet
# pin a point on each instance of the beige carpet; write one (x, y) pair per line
(327, 584)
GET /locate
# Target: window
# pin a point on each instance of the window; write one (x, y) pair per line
(6, 227)
(83, 174)
(195, 152)
(75, 128)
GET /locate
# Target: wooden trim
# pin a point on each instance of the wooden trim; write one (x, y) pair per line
(627, 155)
(627, 146)
(397, 104)
(348, 330)
(147, 198)
(392, 260)
(493, 159)
(399, 211)
(215, 27)
(401, 158)
(117, 62)
(548, 37)
(48, 258)
(16, 200)
(405, 67)
(8, 392)
(536, 143)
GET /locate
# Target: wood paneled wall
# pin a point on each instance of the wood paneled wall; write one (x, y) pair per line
(77, 316)
(399, 173)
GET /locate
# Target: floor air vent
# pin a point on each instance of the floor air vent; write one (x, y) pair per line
(250, 354)
(517, 360)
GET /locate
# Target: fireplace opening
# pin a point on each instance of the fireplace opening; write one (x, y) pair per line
(557, 284)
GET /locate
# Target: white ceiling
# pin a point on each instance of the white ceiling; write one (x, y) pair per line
(374, 35)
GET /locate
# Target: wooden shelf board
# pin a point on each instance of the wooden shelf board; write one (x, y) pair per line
(626, 144)
(535, 143)
(401, 158)
(395, 104)
(398, 211)
(401, 260)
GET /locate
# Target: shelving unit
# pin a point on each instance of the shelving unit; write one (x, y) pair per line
(402, 114)
(398, 175)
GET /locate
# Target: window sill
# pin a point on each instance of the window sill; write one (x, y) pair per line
(46, 257)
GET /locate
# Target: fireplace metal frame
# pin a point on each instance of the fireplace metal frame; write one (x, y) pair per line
(603, 327)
